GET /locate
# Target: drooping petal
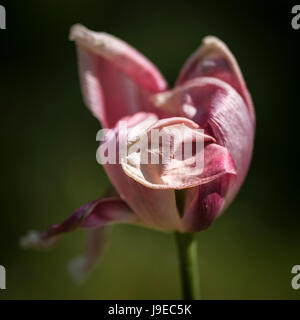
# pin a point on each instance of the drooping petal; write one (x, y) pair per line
(94, 214)
(80, 266)
(154, 208)
(116, 80)
(167, 165)
(214, 59)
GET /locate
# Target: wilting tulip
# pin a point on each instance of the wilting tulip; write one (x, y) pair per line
(120, 84)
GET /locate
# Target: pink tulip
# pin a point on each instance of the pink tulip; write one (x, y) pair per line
(119, 83)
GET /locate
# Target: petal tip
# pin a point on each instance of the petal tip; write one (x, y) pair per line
(76, 268)
(33, 239)
(30, 240)
(213, 41)
(75, 31)
(100, 43)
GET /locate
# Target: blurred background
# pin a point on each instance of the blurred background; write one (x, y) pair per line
(48, 150)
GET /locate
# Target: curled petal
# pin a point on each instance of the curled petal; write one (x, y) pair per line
(94, 214)
(214, 59)
(116, 80)
(154, 208)
(222, 113)
(177, 171)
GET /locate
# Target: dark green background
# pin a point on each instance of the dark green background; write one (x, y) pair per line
(48, 150)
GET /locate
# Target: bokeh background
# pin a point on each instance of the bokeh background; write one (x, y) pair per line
(48, 165)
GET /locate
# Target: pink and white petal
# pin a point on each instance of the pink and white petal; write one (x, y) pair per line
(178, 171)
(116, 79)
(222, 113)
(94, 214)
(154, 208)
(214, 59)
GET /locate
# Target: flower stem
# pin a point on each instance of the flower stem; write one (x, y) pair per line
(188, 262)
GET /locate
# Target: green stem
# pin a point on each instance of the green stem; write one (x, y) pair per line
(187, 253)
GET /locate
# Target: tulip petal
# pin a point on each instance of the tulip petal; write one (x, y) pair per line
(116, 80)
(214, 59)
(154, 208)
(177, 172)
(222, 113)
(94, 214)
(206, 203)
(80, 266)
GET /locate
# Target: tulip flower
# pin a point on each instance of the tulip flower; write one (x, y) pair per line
(120, 85)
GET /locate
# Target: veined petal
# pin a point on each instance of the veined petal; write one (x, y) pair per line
(222, 113)
(116, 80)
(145, 162)
(214, 59)
(94, 214)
